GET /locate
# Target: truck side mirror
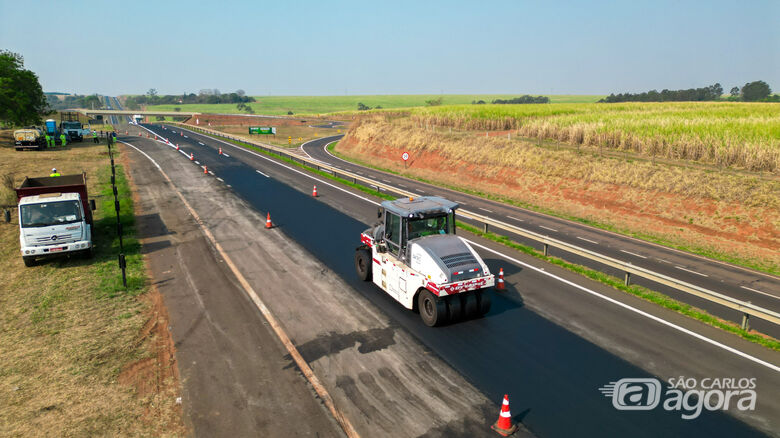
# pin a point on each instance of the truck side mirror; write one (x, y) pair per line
(381, 248)
(92, 205)
(379, 213)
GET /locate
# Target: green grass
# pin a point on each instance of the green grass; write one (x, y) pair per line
(639, 291)
(307, 105)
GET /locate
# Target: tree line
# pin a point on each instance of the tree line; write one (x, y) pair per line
(751, 92)
(208, 96)
(517, 100)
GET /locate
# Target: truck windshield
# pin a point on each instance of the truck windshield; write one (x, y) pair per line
(71, 125)
(430, 226)
(50, 213)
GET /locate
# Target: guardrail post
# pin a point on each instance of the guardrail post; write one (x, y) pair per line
(7, 215)
(546, 249)
(745, 322)
(628, 278)
(485, 228)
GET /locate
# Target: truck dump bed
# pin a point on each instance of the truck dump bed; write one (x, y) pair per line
(59, 184)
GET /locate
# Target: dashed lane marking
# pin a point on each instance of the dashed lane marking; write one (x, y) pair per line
(588, 240)
(692, 272)
(633, 253)
(548, 228)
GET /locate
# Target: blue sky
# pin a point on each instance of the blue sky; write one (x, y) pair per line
(399, 47)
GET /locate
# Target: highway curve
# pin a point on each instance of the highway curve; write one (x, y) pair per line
(747, 285)
(550, 341)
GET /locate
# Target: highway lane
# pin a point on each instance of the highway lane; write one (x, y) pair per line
(747, 285)
(545, 342)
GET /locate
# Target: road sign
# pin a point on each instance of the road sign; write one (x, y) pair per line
(262, 130)
(405, 156)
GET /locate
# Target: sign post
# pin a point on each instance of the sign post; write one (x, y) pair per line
(266, 130)
(405, 157)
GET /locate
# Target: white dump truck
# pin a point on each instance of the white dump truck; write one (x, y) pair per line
(415, 256)
(55, 217)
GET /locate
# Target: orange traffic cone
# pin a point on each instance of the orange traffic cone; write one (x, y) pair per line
(205, 170)
(140, 134)
(155, 137)
(504, 424)
(177, 146)
(500, 283)
(268, 223)
(314, 192)
(192, 156)
(126, 132)
(220, 151)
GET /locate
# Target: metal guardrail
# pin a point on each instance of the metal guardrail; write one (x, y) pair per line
(746, 308)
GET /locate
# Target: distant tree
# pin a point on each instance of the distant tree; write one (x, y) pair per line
(241, 106)
(92, 101)
(434, 102)
(523, 99)
(22, 101)
(362, 107)
(241, 92)
(289, 113)
(152, 92)
(735, 92)
(754, 91)
(378, 107)
(177, 109)
(713, 92)
(478, 102)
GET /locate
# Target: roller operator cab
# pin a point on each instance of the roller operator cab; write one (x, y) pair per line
(414, 255)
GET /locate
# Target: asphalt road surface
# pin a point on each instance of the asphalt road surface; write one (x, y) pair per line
(551, 341)
(758, 288)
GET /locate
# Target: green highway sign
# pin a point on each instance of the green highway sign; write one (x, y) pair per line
(262, 130)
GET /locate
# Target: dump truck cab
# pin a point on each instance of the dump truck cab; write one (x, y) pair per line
(415, 256)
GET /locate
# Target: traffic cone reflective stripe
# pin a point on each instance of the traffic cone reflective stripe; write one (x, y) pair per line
(220, 151)
(205, 170)
(314, 192)
(268, 223)
(177, 146)
(192, 156)
(500, 283)
(504, 424)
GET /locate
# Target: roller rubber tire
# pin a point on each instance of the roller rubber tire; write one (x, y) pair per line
(363, 264)
(470, 305)
(433, 311)
(483, 297)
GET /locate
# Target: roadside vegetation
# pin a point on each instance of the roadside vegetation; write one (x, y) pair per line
(735, 135)
(71, 332)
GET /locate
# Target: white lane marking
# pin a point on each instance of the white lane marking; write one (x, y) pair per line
(541, 270)
(201, 143)
(186, 136)
(633, 309)
(485, 209)
(760, 292)
(304, 150)
(211, 173)
(359, 173)
(512, 217)
(261, 173)
(226, 155)
(692, 272)
(184, 153)
(401, 185)
(633, 253)
(272, 321)
(548, 228)
(588, 240)
(197, 162)
(387, 181)
(665, 261)
(220, 179)
(461, 202)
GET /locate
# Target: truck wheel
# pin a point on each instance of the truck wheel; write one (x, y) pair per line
(470, 305)
(483, 297)
(28, 261)
(454, 308)
(433, 311)
(363, 264)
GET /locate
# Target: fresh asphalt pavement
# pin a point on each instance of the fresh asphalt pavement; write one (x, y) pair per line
(551, 341)
(747, 285)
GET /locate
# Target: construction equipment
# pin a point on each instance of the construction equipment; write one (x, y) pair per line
(71, 126)
(55, 217)
(415, 256)
(29, 138)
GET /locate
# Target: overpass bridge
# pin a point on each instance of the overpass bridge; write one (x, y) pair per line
(130, 113)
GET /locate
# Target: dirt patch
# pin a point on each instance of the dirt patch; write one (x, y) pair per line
(717, 223)
(235, 120)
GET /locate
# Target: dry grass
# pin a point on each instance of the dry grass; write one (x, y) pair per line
(68, 328)
(728, 134)
(298, 134)
(708, 211)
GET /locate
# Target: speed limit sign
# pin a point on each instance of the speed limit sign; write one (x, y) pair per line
(405, 156)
